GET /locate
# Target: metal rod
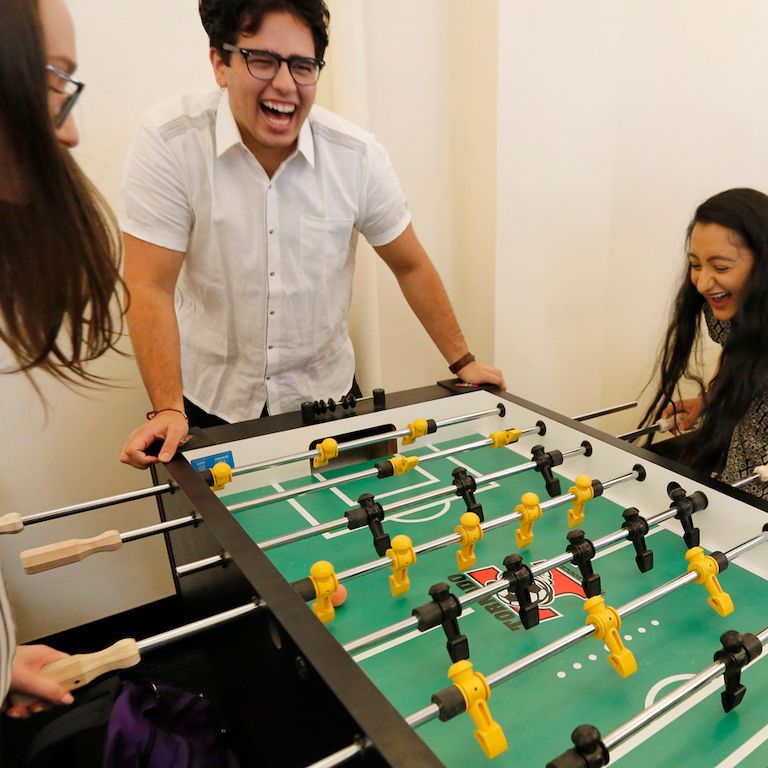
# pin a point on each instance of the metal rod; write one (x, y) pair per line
(478, 594)
(490, 525)
(633, 475)
(739, 550)
(606, 411)
(423, 715)
(630, 436)
(381, 634)
(469, 417)
(623, 732)
(479, 479)
(257, 465)
(187, 630)
(628, 608)
(745, 481)
(573, 637)
(429, 546)
(278, 541)
(359, 443)
(649, 714)
(365, 473)
(303, 489)
(151, 530)
(107, 501)
(432, 711)
(337, 758)
(202, 565)
(566, 557)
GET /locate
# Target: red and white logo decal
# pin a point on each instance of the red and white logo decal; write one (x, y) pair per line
(547, 587)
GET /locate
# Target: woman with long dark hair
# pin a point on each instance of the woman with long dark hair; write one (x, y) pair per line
(59, 255)
(725, 286)
(58, 245)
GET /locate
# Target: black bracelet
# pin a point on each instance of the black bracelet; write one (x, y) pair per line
(461, 362)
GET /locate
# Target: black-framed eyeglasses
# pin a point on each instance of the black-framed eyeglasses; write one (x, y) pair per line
(264, 65)
(64, 92)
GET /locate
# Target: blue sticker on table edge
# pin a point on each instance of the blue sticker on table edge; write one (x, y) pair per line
(206, 462)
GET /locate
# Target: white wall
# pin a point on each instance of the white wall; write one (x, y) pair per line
(555, 171)
(615, 121)
(422, 77)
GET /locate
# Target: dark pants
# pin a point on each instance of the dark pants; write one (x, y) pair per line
(675, 447)
(200, 418)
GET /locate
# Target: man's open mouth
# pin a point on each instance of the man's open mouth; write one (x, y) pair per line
(278, 113)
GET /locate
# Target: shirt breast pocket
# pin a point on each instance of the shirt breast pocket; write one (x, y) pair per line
(325, 246)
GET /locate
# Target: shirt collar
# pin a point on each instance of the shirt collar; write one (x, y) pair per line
(305, 144)
(228, 134)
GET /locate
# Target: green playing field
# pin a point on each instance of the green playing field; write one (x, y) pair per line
(672, 639)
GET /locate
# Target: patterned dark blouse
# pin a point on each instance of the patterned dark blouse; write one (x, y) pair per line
(749, 442)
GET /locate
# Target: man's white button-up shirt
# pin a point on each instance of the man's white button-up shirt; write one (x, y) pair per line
(263, 296)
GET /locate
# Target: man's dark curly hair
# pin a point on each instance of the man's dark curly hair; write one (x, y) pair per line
(223, 20)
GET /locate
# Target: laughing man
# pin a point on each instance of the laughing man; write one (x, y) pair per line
(241, 211)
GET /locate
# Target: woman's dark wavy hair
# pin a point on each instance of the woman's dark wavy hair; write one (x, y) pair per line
(743, 368)
(224, 20)
(59, 247)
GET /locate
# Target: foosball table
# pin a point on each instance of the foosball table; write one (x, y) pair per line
(432, 578)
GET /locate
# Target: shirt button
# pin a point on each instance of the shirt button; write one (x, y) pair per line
(268, 378)
(269, 347)
(271, 274)
(271, 231)
(271, 311)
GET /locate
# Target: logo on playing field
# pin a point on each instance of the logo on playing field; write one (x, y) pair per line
(546, 589)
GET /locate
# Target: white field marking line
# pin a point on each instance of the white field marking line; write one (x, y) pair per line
(402, 517)
(303, 512)
(678, 711)
(430, 480)
(746, 749)
(297, 506)
(650, 697)
(377, 649)
(464, 464)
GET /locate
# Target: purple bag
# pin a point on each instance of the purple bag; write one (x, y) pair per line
(162, 727)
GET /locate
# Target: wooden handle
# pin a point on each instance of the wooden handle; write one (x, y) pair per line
(70, 551)
(76, 671)
(11, 523)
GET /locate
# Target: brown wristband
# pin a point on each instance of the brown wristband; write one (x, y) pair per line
(461, 362)
(151, 414)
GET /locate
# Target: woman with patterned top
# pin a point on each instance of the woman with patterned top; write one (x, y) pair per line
(726, 285)
(58, 257)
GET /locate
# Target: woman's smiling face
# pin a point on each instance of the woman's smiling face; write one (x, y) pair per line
(720, 266)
